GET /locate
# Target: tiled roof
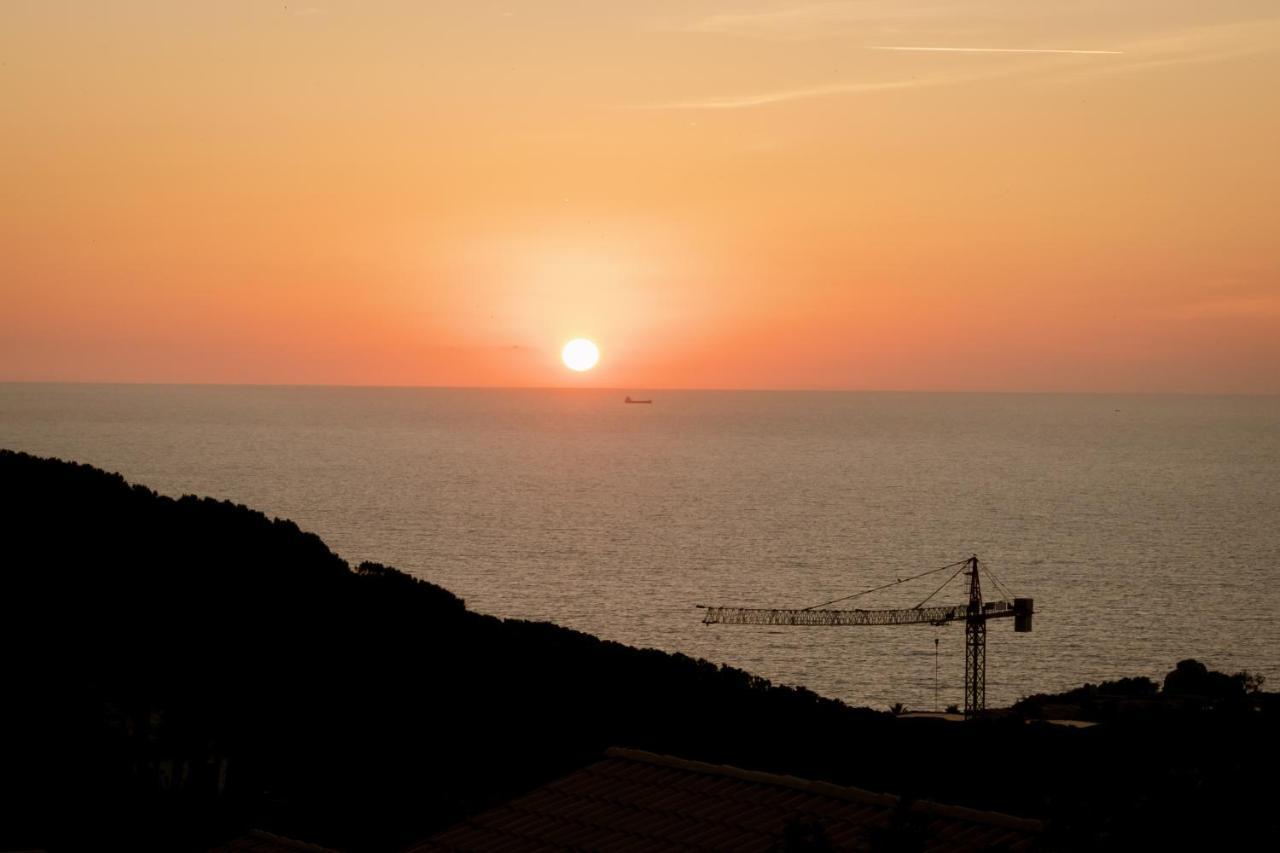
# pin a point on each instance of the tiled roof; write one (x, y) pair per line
(640, 801)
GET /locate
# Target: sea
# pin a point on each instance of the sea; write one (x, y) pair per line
(1145, 528)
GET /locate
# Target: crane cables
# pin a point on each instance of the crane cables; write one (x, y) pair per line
(960, 563)
(985, 569)
(993, 577)
(954, 575)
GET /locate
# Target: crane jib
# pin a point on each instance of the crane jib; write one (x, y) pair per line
(905, 616)
(974, 614)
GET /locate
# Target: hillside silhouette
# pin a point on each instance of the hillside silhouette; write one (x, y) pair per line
(179, 670)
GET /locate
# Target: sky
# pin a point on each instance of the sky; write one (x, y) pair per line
(989, 195)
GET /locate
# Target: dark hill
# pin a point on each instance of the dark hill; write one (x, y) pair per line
(178, 670)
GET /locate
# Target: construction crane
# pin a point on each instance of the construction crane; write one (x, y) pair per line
(974, 614)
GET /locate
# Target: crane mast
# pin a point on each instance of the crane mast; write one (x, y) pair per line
(975, 646)
(974, 614)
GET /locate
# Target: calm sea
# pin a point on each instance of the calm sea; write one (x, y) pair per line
(1147, 528)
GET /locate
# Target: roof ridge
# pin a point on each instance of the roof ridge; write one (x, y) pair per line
(285, 841)
(826, 789)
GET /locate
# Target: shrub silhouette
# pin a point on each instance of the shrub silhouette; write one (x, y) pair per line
(1192, 678)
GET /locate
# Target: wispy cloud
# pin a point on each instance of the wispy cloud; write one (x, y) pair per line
(822, 20)
(919, 49)
(872, 20)
(760, 99)
(767, 98)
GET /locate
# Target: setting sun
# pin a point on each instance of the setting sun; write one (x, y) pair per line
(580, 354)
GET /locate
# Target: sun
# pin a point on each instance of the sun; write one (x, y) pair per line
(580, 354)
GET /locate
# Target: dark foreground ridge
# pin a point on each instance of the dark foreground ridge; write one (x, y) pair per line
(179, 671)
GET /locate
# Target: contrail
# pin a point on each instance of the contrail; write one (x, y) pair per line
(988, 49)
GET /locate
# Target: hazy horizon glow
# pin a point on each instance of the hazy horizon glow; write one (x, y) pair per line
(874, 194)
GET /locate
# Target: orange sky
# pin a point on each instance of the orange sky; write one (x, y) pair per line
(721, 194)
